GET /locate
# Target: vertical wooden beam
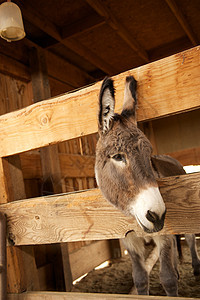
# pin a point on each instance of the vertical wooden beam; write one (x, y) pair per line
(52, 180)
(18, 192)
(115, 248)
(16, 280)
(66, 267)
(19, 276)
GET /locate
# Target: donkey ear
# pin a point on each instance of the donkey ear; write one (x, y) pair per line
(106, 105)
(130, 98)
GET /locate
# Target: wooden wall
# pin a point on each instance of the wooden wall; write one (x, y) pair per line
(178, 136)
(74, 149)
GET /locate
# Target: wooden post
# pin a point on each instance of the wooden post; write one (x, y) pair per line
(28, 265)
(115, 248)
(12, 188)
(50, 167)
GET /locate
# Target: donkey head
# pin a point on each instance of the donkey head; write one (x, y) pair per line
(123, 160)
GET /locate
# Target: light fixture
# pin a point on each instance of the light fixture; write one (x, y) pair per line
(11, 24)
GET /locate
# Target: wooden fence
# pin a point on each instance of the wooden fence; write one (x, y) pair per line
(166, 87)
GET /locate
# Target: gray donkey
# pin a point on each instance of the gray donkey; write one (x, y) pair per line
(126, 173)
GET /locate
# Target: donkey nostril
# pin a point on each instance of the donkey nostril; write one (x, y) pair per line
(163, 216)
(152, 216)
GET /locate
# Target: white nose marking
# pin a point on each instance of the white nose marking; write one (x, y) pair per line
(148, 199)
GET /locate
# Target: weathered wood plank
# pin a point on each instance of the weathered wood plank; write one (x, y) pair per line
(12, 189)
(85, 296)
(88, 216)
(165, 87)
(62, 218)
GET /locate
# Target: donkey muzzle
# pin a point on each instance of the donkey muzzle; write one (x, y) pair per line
(158, 223)
(149, 209)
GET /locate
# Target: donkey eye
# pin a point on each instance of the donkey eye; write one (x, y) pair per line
(119, 157)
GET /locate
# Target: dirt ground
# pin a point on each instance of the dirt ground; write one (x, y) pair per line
(117, 279)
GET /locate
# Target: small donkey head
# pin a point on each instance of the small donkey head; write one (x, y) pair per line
(123, 160)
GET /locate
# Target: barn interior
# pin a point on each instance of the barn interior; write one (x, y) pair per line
(70, 45)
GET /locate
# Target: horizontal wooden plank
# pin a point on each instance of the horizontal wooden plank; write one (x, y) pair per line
(85, 296)
(67, 217)
(72, 165)
(165, 87)
(87, 215)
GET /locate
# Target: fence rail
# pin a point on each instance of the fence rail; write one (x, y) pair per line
(165, 87)
(87, 215)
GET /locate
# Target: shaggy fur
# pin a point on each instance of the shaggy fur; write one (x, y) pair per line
(126, 172)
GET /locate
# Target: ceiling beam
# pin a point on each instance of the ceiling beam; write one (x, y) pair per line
(182, 21)
(171, 48)
(92, 57)
(35, 18)
(82, 26)
(79, 27)
(105, 12)
(74, 76)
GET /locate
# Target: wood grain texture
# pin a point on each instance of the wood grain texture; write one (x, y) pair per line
(16, 94)
(61, 218)
(88, 216)
(165, 87)
(85, 296)
(18, 278)
(181, 195)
